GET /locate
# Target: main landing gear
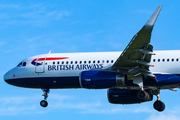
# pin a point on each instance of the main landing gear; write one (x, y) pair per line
(158, 105)
(44, 102)
(144, 96)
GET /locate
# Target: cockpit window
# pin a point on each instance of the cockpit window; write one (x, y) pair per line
(21, 64)
(24, 64)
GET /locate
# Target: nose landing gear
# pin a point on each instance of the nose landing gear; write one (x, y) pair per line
(44, 102)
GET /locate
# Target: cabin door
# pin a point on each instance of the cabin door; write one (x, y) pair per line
(40, 64)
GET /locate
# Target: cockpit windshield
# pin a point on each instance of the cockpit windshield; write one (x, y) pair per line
(21, 64)
(24, 64)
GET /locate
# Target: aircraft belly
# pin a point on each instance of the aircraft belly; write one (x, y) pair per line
(46, 82)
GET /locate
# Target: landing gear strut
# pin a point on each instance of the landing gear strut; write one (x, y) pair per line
(158, 105)
(44, 102)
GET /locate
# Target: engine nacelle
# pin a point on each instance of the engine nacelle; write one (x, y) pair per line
(99, 79)
(125, 96)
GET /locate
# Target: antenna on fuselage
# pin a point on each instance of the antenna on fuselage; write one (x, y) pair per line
(49, 52)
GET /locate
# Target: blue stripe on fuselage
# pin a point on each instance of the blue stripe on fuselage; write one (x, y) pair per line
(73, 82)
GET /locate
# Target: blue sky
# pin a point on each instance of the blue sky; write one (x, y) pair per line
(33, 27)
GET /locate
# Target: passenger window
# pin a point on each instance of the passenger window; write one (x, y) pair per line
(53, 62)
(158, 60)
(172, 60)
(20, 64)
(107, 61)
(62, 62)
(84, 62)
(102, 61)
(154, 60)
(80, 62)
(177, 59)
(98, 61)
(66, 62)
(111, 61)
(89, 62)
(94, 61)
(58, 62)
(24, 64)
(167, 60)
(71, 62)
(75, 62)
(163, 60)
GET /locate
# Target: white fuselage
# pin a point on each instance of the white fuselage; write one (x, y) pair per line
(73, 63)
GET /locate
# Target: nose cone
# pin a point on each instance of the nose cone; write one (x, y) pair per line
(16, 77)
(8, 76)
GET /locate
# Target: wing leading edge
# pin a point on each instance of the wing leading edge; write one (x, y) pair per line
(136, 57)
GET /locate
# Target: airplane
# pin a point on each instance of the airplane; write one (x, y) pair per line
(131, 76)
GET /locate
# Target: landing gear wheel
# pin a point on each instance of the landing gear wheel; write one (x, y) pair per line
(143, 95)
(159, 106)
(44, 103)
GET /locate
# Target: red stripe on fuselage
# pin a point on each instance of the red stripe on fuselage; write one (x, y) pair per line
(52, 58)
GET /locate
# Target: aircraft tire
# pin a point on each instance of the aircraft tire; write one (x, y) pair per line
(143, 95)
(159, 106)
(147, 96)
(44, 103)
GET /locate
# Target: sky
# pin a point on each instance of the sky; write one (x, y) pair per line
(33, 27)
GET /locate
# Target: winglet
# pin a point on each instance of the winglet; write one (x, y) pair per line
(150, 23)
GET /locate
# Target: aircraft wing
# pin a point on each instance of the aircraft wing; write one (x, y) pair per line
(137, 55)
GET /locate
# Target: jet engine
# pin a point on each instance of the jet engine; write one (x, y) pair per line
(117, 96)
(99, 79)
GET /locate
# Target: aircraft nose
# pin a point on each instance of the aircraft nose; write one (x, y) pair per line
(14, 76)
(7, 76)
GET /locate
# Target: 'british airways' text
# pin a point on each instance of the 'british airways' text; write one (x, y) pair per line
(75, 67)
